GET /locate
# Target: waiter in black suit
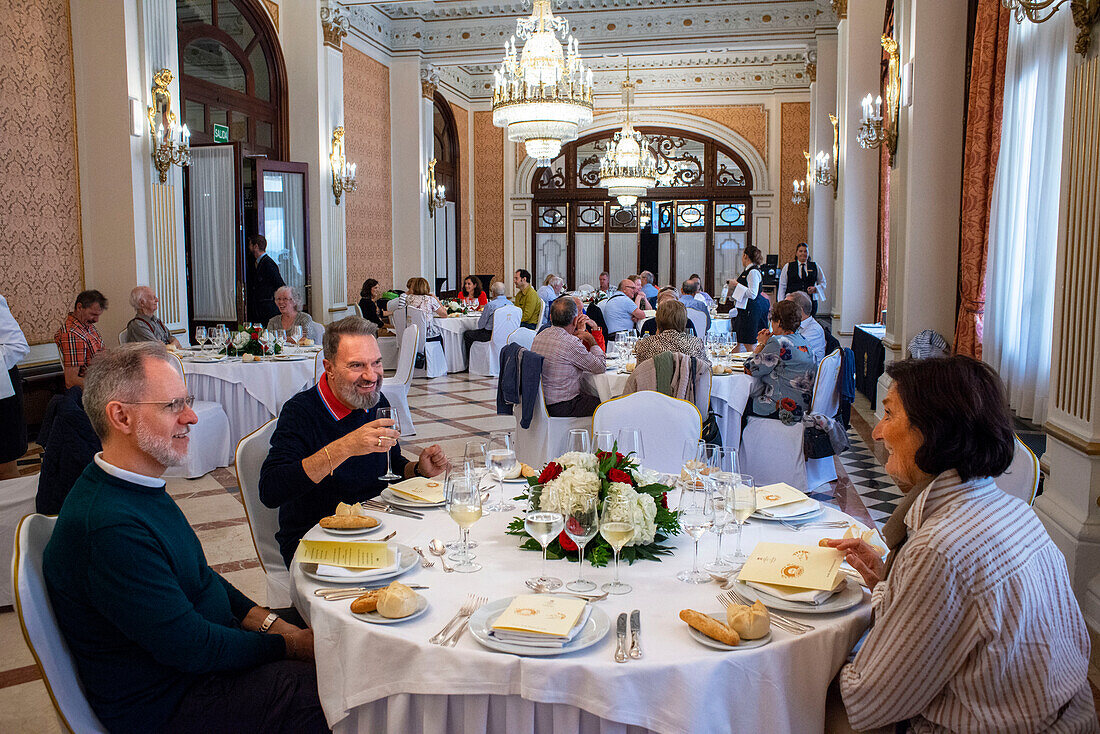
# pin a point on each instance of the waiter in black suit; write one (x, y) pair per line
(802, 274)
(264, 279)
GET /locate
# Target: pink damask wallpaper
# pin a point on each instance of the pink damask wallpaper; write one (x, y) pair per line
(368, 216)
(794, 137)
(488, 195)
(41, 263)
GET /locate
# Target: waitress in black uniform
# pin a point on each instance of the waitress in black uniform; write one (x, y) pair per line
(753, 308)
(802, 274)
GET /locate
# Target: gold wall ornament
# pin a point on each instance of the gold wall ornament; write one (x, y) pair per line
(835, 121)
(800, 193)
(1085, 14)
(343, 173)
(171, 142)
(334, 26)
(879, 125)
(429, 82)
(840, 7)
(437, 193)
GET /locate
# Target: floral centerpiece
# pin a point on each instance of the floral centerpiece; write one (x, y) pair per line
(455, 307)
(247, 341)
(601, 474)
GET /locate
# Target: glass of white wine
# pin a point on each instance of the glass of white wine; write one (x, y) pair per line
(464, 507)
(543, 522)
(474, 466)
(742, 504)
(617, 528)
(582, 522)
(696, 517)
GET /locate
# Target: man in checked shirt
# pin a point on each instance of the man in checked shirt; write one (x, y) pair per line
(78, 340)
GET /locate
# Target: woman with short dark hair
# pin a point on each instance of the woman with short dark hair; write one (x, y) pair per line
(783, 367)
(368, 301)
(976, 626)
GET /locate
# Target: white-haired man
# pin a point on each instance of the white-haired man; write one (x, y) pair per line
(161, 641)
(808, 326)
(329, 445)
(146, 326)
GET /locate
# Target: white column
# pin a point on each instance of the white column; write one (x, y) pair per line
(859, 53)
(822, 204)
(334, 250)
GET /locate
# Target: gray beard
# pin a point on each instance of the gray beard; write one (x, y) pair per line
(159, 447)
(348, 394)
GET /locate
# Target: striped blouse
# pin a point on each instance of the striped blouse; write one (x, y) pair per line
(976, 626)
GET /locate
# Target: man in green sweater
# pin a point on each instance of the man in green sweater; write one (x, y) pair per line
(161, 641)
(528, 300)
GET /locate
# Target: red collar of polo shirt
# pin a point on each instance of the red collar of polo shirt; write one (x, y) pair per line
(334, 405)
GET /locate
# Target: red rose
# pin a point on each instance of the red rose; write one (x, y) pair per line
(551, 472)
(664, 500)
(618, 475)
(619, 458)
(565, 543)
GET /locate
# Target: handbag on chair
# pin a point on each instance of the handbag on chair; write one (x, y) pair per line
(711, 432)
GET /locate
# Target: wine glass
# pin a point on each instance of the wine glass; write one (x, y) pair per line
(693, 453)
(501, 459)
(543, 522)
(696, 518)
(582, 522)
(296, 334)
(475, 466)
(722, 483)
(630, 442)
(266, 339)
(617, 528)
(280, 339)
(201, 337)
(742, 504)
(578, 440)
(604, 441)
(391, 414)
(464, 507)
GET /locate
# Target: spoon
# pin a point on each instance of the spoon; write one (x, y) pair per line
(543, 589)
(435, 545)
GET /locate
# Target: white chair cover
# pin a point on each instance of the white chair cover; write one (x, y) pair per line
(545, 439)
(16, 502)
(1021, 478)
(523, 337)
(397, 318)
(396, 388)
(39, 623)
(318, 366)
(263, 521)
(317, 332)
(664, 422)
(485, 356)
(210, 437)
(389, 347)
(772, 452)
(122, 337)
(826, 401)
(358, 311)
(698, 320)
(436, 359)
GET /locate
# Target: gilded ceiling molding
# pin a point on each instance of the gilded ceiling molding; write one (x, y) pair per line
(811, 65)
(840, 7)
(335, 26)
(273, 11)
(429, 82)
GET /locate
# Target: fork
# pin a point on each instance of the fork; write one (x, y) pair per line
(466, 609)
(453, 640)
(824, 524)
(792, 625)
(424, 562)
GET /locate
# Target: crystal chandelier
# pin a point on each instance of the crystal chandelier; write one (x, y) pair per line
(629, 169)
(545, 94)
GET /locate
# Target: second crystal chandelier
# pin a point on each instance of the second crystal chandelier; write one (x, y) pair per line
(629, 169)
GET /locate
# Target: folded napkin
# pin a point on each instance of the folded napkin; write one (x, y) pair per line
(794, 509)
(360, 574)
(535, 639)
(813, 597)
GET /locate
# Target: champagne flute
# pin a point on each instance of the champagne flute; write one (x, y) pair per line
(696, 518)
(604, 441)
(391, 414)
(464, 507)
(617, 528)
(723, 514)
(201, 337)
(742, 504)
(543, 522)
(630, 442)
(582, 522)
(578, 440)
(501, 458)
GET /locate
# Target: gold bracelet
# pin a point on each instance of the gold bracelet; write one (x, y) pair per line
(330, 468)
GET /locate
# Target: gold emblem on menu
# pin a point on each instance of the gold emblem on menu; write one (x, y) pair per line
(802, 555)
(792, 571)
(771, 497)
(526, 612)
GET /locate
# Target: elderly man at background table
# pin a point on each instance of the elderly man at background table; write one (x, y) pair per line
(551, 288)
(688, 291)
(162, 642)
(809, 328)
(568, 352)
(78, 340)
(329, 445)
(146, 326)
(484, 330)
(648, 288)
(700, 292)
(619, 309)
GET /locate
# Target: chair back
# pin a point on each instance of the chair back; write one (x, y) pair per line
(1021, 478)
(505, 321)
(40, 630)
(545, 439)
(698, 320)
(418, 317)
(397, 318)
(826, 399)
(358, 311)
(317, 332)
(406, 355)
(585, 288)
(122, 337)
(524, 337)
(263, 521)
(318, 365)
(177, 364)
(543, 314)
(665, 423)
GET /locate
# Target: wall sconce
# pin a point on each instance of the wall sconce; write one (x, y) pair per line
(1085, 14)
(171, 142)
(823, 170)
(343, 173)
(875, 129)
(437, 193)
(801, 191)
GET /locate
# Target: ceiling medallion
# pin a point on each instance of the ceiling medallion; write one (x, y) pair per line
(543, 95)
(629, 169)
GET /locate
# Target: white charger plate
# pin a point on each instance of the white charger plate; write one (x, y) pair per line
(353, 531)
(817, 509)
(851, 595)
(409, 560)
(711, 642)
(481, 622)
(376, 618)
(394, 498)
(290, 357)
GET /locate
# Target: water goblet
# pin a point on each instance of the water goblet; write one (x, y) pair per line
(722, 483)
(630, 442)
(617, 528)
(280, 339)
(464, 507)
(582, 522)
(501, 459)
(201, 337)
(543, 522)
(604, 441)
(390, 414)
(296, 334)
(696, 518)
(742, 504)
(578, 440)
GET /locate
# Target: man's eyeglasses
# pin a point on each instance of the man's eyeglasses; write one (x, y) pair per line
(174, 406)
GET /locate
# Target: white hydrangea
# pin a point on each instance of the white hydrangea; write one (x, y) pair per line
(645, 477)
(643, 512)
(573, 481)
(581, 459)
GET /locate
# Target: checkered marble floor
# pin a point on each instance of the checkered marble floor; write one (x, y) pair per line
(874, 485)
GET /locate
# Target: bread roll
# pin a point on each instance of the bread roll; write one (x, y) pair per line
(710, 627)
(750, 623)
(366, 603)
(348, 522)
(396, 601)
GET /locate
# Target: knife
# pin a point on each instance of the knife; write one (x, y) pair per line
(381, 507)
(636, 634)
(620, 631)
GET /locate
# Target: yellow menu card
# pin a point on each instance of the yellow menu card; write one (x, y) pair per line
(541, 614)
(800, 566)
(774, 495)
(345, 553)
(420, 489)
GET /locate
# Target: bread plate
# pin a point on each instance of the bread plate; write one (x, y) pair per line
(376, 618)
(352, 531)
(851, 595)
(711, 642)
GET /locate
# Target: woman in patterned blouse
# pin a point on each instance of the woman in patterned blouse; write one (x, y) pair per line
(670, 336)
(783, 367)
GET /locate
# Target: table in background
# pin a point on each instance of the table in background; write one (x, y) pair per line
(452, 329)
(252, 393)
(870, 358)
(720, 324)
(387, 678)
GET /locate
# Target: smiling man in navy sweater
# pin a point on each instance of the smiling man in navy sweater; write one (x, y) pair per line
(162, 642)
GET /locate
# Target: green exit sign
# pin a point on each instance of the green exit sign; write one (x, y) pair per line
(221, 133)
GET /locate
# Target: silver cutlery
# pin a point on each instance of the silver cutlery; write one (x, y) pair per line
(338, 593)
(823, 524)
(467, 608)
(791, 625)
(543, 589)
(464, 622)
(636, 634)
(620, 632)
(424, 562)
(383, 540)
(436, 548)
(383, 507)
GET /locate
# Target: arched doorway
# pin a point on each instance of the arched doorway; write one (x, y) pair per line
(697, 219)
(448, 261)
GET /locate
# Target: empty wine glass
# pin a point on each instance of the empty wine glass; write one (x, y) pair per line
(742, 504)
(630, 442)
(501, 459)
(280, 339)
(464, 507)
(543, 522)
(578, 440)
(201, 337)
(604, 441)
(296, 334)
(696, 517)
(722, 483)
(693, 453)
(582, 522)
(617, 528)
(266, 340)
(391, 414)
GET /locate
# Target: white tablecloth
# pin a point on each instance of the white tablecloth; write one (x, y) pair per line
(452, 330)
(252, 393)
(387, 678)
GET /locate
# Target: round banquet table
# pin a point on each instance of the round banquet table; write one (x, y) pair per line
(252, 393)
(388, 678)
(452, 329)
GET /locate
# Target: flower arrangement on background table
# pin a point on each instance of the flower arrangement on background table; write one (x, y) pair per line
(247, 341)
(601, 474)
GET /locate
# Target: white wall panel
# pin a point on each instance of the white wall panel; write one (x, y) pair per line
(624, 255)
(589, 258)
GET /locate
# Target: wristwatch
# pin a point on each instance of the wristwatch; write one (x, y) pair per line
(268, 621)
